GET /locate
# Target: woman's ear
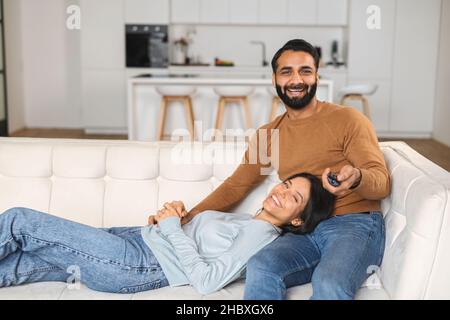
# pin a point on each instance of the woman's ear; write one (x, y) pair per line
(297, 222)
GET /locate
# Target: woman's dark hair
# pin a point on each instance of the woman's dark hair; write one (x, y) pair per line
(320, 205)
(296, 45)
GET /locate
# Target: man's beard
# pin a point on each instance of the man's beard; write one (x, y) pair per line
(297, 103)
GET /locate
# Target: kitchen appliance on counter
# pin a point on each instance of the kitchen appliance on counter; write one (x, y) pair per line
(147, 46)
(335, 55)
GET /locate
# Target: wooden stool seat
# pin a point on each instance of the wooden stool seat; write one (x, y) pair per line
(358, 92)
(233, 94)
(176, 93)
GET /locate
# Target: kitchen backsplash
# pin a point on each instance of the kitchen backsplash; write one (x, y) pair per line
(233, 43)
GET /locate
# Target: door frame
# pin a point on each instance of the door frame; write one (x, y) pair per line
(4, 123)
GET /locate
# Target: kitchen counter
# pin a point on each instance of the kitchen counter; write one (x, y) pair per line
(144, 101)
(233, 70)
(211, 79)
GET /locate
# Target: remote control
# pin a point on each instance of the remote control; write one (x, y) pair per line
(332, 179)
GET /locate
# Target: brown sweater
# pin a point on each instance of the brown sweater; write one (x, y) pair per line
(332, 137)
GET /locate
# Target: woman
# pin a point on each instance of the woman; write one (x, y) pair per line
(208, 252)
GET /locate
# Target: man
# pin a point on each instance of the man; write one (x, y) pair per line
(316, 137)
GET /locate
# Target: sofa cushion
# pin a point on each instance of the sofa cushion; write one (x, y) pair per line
(79, 162)
(132, 163)
(25, 192)
(135, 199)
(28, 160)
(186, 162)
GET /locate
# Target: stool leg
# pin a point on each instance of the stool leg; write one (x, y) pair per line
(190, 116)
(275, 106)
(162, 118)
(247, 114)
(219, 116)
(344, 98)
(366, 107)
(364, 101)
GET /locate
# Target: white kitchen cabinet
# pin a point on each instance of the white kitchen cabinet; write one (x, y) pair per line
(302, 12)
(243, 12)
(103, 66)
(273, 11)
(147, 12)
(414, 65)
(104, 100)
(370, 51)
(370, 54)
(185, 11)
(262, 12)
(214, 11)
(401, 58)
(332, 12)
(102, 34)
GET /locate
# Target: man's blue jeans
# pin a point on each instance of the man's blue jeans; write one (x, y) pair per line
(36, 246)
(337, 257)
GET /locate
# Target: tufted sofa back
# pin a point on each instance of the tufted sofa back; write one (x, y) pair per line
(119, 183)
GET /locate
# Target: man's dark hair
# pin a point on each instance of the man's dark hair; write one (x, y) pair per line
(320, 205)
(296, 45)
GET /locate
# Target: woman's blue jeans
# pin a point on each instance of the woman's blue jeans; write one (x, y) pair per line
(36, 246)
(337, 257)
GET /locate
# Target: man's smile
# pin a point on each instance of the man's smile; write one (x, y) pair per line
(296, 91)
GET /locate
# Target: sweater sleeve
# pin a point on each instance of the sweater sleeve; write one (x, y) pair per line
(361, 148)
(209, 276)
(251, 172)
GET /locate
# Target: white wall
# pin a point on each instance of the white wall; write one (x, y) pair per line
(14, 65)
(233, 42)
(441, 131)
(50, 65)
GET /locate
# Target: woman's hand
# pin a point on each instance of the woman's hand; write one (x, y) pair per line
(178, 206)
(165, 213)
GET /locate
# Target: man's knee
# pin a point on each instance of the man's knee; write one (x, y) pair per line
(259, 261)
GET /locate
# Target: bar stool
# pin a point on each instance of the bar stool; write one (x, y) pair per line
(358, 92)
(171, 94)
(233, 94)
(276, 101)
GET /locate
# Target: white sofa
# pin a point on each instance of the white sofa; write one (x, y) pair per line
(119, 183)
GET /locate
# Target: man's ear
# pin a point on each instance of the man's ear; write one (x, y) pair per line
(273, 80)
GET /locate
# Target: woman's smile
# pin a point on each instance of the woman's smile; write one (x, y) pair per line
(276, 201)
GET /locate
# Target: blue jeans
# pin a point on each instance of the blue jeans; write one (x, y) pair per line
(36, 246)
(337, 257)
